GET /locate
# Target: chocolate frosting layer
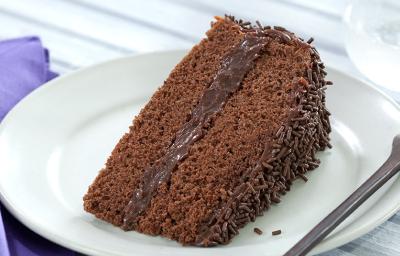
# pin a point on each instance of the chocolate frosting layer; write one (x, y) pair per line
(234, 67)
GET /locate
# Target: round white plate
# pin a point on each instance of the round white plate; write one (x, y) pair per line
(53, 143)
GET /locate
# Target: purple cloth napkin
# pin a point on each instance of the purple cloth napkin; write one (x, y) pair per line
(24, 66)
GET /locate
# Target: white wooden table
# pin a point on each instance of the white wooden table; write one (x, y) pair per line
(80, 33)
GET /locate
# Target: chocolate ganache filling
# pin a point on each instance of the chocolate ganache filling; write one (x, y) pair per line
(234, 67)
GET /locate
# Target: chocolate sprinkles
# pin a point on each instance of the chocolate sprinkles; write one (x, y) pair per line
(291, 154)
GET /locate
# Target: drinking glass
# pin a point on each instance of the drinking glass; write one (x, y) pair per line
(373, 40)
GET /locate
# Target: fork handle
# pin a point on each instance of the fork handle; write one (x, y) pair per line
(380, 177)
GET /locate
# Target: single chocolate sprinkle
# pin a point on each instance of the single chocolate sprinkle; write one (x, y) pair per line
(259, 25)
(267, 165)
(232, 227)
(309, 75)
(303, 177)
(261, 187)
(228, 213)
(317, 69)
(244, 219)
(276, 232)
(275, 198)
(224, 227)
(281, 138)
(309, 41)
(289, 133)
(280, 28)
(314, 51)
(245, 208)
(278, 133)
(258, 231)
(233, 224)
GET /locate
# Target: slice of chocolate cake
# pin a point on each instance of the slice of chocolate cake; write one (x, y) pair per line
(237, 120)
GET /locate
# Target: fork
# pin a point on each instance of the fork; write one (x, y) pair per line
(330, 222)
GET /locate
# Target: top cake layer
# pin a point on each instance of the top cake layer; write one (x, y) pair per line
(242, 154)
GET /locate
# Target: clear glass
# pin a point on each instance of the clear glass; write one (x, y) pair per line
(373, 40)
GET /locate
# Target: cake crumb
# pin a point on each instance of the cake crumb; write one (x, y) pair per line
(276, 232)
(258, 231)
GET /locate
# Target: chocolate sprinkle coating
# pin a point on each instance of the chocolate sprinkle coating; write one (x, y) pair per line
(294, 148)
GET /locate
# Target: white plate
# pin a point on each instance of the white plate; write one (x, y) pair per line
(53, 143)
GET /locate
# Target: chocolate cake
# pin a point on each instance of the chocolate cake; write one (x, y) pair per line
(235, 123)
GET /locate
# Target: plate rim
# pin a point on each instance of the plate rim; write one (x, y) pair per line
(340, 238)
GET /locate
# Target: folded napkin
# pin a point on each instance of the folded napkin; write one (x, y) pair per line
(24, 66)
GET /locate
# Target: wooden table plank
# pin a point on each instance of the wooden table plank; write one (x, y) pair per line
(66, 51)
(92, 26)
(332, 7)
(166, 15)
(327, 32)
